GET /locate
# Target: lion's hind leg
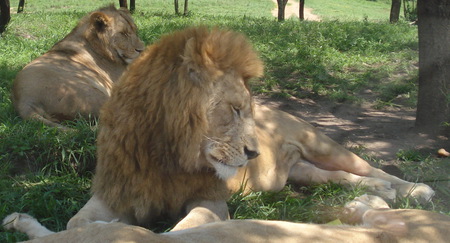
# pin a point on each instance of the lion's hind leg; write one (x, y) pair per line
(306, 173)
(26, 224)
(422, 192)
(326, 154)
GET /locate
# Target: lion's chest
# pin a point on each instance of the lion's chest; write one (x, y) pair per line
(158, 196)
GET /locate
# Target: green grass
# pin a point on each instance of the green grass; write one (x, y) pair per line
(47, 173)
(210, 7)
(373, 10)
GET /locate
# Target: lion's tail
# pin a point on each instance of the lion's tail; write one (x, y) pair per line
(47, 122)
(26, 224)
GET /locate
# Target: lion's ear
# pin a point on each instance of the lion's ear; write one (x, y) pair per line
(197, 61)
(100, 21)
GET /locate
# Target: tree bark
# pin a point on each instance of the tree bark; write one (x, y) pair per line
(301, 10)
(186, 10)
(281, 8)
(175, 2)
(21, 6)
(395, 11)
(5, 14)
(123, 4)
(433, 109)
(132, 6)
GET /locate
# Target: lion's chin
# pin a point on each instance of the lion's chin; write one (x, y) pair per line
(224, 171)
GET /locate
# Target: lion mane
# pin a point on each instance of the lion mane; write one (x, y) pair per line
(153, 126)
(76, 75)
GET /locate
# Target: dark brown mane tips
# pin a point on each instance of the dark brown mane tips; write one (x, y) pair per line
(217, 51)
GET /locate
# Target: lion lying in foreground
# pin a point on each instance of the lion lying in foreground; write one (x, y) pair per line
(179, 129)
(379, 224)
(76, 75)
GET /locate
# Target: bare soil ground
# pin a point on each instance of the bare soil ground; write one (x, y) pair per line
(292, 9)
(378, 133)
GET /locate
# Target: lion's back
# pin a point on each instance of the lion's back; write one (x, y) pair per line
(77, 74)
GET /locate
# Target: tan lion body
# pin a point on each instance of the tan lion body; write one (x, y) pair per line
(293, 150)
(379, 224)
(76, 75)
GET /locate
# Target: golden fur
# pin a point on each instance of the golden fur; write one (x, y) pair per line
(380, 224)
(293, 150)
(76, 75)
(181, 121)
(159, 134)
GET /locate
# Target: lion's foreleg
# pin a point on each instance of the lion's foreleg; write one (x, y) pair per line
(26, 224)
(94, 210)
(202, 212)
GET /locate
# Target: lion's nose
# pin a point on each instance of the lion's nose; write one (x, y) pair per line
(251, 154)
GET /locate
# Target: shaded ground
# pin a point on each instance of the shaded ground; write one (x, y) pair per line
(379, 133)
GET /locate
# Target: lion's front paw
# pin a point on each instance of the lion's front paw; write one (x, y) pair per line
(10, 220)
(26, 224)
(372, 201)
(354, 210)
(422, 192)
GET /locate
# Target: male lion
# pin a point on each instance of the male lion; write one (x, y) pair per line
(380, 224)
(177, 132)
(178, 122)
(76, 75)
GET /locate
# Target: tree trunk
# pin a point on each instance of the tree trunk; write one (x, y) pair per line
(123, 4)
(395, 11)
(5, 14)
(186, 10)
(434, 65)
(21, 6)
(281, 7)
(132, 5)
(301, 10)
(175, 2)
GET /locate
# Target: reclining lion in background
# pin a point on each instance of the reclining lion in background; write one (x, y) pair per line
(380, 224)
(177, 133)
(76, 75)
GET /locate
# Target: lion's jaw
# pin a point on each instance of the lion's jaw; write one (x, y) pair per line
(128, 54)
(225, 161)
(231, 140)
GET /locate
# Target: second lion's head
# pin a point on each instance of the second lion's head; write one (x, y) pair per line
(184, 105)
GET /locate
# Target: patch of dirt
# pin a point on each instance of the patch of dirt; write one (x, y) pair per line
(292, 9)
(377, 133)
